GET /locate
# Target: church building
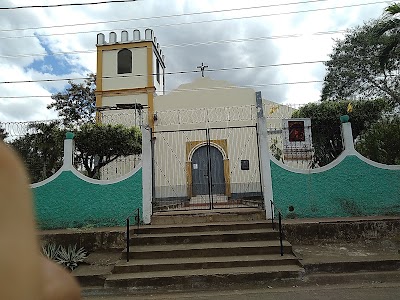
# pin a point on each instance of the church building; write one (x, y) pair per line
(205, 134)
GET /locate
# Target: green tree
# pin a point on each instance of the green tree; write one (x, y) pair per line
(325, 124)
(41, 151)
(77, 104)
(354, 70)
(381, 142)
(3, 133)
(389, 26)
(97, 145)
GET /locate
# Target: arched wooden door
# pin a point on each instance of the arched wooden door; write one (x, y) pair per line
(208, 170)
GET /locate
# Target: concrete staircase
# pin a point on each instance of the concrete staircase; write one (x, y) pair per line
(204, 254)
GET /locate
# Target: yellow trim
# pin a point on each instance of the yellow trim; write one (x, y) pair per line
(150, 81)
(140, 44)
(125, 92)
(189, 179)
(227, 175)
(189, 148)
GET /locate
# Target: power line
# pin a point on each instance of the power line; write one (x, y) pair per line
(164, 16)
(186, 44)
(198, 22)
(192, 90)
(168, 73)
(67, 4)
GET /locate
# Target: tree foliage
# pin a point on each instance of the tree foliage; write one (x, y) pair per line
(77, 104)
(97, 145)
(354, 70)
(381, 142)
(41, 151)
(389, 26)
(325, 124)
(3, 133)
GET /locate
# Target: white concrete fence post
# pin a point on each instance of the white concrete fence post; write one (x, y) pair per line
(347, 136)
(147, 174)
(69, 146)
(266, 179)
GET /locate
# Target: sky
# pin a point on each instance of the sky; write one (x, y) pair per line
(276, 46)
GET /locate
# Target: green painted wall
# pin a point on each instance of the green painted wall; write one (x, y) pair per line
(70, 202)
(352, 188)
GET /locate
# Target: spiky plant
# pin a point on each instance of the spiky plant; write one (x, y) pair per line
(70, 257)
(50, 250)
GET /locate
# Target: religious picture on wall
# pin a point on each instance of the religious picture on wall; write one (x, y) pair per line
(296, 131)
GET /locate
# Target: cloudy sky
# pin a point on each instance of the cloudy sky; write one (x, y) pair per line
(276, 45)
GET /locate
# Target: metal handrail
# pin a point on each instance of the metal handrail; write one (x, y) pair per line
(137, 219)
(280, 232)
(272, 214)
(279, 225)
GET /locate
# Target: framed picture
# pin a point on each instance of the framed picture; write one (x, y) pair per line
(296, 131)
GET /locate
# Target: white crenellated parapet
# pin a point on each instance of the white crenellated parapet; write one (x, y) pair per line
(124, 38)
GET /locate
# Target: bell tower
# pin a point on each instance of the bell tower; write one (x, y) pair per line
(129, 70)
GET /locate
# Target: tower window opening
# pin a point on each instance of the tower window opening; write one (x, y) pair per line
(124, 61)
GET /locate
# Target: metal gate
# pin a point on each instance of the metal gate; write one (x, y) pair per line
(206, 169)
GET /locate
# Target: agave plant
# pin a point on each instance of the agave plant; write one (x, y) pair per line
(50, 250)
(70, 257)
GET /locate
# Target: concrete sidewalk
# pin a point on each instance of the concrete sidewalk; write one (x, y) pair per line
(345, 292)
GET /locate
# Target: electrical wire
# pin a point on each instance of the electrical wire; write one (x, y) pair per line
(197, 22)
(192, 90)
(67, 4)
(163, 17)
(168, 73)
(254, 39)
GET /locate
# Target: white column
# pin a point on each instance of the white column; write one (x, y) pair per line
(147, 175)
(266, 178)
(347, 136)
(69, 145)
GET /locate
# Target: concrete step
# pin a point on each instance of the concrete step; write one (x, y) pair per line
(207, 216)
(200, 227)
(205, 237)
(192, 263)
(326, 278)
(207, 249)
(88, 275)
(356, 264)
(185, 279)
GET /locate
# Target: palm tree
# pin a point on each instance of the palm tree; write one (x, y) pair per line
(389, 27)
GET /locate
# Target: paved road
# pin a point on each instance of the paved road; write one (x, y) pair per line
(334, 292)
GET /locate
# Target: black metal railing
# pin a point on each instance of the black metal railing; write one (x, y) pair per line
(280, 232)
(279, 224)
(272, 214)
(136, 214)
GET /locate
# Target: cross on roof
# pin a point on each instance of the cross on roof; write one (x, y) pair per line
(202, 68)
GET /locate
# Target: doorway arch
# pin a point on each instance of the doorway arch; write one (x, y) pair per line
(207, 169)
